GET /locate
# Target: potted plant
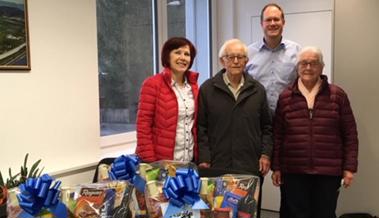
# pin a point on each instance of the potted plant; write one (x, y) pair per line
(15, 180)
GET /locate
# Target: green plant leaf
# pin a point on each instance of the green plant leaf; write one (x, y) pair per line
(40, 172)
(22, 170)
(23, 175)
(1, 180)
(11, 181)
(35, 165)
(26, 159)
(35, 174)
(10, 172)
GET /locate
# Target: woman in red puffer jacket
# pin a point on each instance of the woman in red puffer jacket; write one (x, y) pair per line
(167, 110)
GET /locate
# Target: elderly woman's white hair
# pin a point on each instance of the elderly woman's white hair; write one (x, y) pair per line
(313, 49)
(221, 53)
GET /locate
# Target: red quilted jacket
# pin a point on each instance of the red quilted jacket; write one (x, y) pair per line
(322, 141)
(158, 115)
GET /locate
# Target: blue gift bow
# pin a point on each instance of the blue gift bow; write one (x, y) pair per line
(125, 168)
(184, 188)
(36, 194)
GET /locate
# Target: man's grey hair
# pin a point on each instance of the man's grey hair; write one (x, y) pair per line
(313, 49)
(222, 51)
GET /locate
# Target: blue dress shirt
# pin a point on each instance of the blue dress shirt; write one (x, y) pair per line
(274, 68)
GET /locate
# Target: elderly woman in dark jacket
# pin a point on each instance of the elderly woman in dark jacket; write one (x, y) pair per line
(316, 142)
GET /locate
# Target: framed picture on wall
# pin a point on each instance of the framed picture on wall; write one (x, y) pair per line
(14, 35)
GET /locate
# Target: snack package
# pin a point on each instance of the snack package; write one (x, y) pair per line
(232, 196)
(98, 200)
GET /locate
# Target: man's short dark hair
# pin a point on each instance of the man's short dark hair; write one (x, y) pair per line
(271, 5)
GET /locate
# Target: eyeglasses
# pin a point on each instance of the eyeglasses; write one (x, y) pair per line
(231, 58)
(310, 63)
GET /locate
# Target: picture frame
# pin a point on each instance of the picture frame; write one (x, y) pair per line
(14, 35)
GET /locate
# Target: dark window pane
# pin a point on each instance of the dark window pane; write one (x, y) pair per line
(125, 55)
(176, 18)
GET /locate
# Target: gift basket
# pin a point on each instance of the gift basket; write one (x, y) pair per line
(127, 168)
(95, 200)
(37, 197)
(175, 189)
(231, 195)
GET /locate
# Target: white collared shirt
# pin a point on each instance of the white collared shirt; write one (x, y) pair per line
(184, 141)
(236, 91)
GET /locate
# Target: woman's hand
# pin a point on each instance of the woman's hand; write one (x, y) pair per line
(347, 178)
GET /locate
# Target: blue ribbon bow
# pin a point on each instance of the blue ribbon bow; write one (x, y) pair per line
(184, 188)
(125, 168)
(36, 194)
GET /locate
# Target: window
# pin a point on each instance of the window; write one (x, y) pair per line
(130, 35)
(192, 19)
(125, 45)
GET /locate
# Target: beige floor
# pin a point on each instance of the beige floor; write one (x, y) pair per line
(269, 214)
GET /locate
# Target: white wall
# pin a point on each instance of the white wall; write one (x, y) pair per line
(356, 70)
(52, 111)
(241, 19)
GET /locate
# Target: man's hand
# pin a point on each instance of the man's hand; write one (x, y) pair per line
(276, 178)
(347, 178)
(264, 164)
(204, 165)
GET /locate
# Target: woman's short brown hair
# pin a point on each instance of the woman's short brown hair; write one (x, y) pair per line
(175, 43)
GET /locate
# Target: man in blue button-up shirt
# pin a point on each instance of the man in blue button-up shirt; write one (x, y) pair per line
(272, 62)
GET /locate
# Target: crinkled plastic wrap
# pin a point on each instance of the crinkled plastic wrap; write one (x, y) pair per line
(154, 198)
(159, 170)
(155, 175)
(137, 199)
(147, 204)
(230, 196)
(14, 210)
(98, 200)
(227, 196)
(144, 205)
